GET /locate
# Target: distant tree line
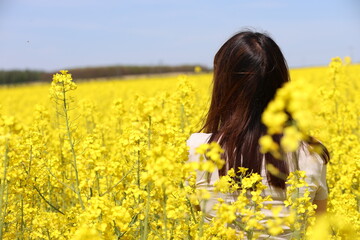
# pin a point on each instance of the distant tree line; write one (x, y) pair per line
(27, 76)
(18, 76)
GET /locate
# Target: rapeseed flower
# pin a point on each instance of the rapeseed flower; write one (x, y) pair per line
(128, 140)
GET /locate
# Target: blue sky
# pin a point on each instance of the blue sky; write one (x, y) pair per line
(52, 35)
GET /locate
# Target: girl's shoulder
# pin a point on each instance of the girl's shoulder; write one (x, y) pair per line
(315, 169)
(196, 139)
(309, 158)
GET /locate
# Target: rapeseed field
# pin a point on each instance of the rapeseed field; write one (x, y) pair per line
(107, 159)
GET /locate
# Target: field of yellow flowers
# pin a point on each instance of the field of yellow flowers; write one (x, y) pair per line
(107, 159)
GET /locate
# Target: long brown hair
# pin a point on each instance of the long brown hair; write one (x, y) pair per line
(248, 69)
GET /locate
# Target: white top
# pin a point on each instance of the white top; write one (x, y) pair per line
(311, 163)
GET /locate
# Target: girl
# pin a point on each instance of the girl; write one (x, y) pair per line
(248, 69)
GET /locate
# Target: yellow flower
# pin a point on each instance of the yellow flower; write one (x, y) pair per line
(128, 142)
(250, 181)
(86, 233)
(291, 139)
(267, 144)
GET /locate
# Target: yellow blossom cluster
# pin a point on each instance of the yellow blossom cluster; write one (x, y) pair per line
(324, 106)
(108, 159)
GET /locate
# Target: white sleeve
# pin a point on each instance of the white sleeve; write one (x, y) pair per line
(192, 144)
(203, 179)
(194, 141)
(315, 169)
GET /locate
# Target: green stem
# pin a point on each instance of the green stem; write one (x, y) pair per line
(138, 168)
(191, 208)
(116, 184)
(2, 189)
(22, 224)
(67, 121)
(147, 209)
(149, 133)
(164, 212)
(98, 182)
(189, 204)
(202, 221)
(51, 205)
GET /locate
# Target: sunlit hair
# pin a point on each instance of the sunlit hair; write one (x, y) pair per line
(248, 69)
